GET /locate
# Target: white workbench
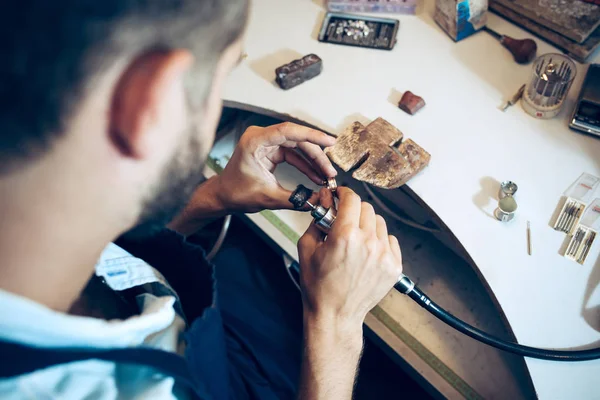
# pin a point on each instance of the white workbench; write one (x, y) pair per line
(548, 300)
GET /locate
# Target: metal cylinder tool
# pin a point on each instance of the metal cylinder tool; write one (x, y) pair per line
(324, 217)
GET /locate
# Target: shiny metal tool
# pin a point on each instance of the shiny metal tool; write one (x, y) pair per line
(586, 247)
(528, 237)
(513, 100)
(324, 217)
(569, 216)
(575, 243)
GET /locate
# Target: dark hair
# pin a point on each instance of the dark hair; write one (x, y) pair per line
(53, 52)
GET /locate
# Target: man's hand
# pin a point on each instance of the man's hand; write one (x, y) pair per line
(247, 183)
(342, 278)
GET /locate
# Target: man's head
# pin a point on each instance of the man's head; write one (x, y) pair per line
(122, 93)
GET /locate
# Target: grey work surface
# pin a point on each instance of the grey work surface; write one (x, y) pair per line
(436, 355)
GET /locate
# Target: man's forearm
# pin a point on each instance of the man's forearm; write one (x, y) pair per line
(331, 355)
(204, 205)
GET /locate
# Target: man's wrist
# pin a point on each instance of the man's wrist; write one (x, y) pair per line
(336, 331)
(206, 204)
(217, 192)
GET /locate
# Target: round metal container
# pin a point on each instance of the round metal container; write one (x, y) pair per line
(506, 209)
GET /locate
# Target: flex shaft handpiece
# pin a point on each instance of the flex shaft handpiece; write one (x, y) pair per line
(325, 218)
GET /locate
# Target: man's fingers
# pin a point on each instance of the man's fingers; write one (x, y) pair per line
(311, 239)
(382, 232)
(318, 158)
(283, 134)
(367, 222)
(293, 158)
(348, 208)
(395, 247)
(326, 198)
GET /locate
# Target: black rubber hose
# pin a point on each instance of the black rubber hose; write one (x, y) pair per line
(545, 354)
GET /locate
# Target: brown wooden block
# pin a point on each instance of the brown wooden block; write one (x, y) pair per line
(417, 157)
(385, 131)
(411, 103)
(372, 151)
(384, 172)
(348, 151)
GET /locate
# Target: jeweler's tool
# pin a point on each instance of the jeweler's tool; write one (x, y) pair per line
(576, 214)
(574, 246)
(528, 237)
(586, 248)
(564, 216)
(569, 216)
(324, 217)
(551, 79)
(522, 50)
(406, 286)
(513, 100)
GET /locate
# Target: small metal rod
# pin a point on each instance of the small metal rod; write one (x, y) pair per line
(576, 243)
(569, 214)
(528, 238)
(514, 99)
(567, 224)
(572, 244)
(574, 217)
(579, 242)
(562, 216)
(587, 247)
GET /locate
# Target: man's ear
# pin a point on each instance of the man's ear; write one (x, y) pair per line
(140, 97)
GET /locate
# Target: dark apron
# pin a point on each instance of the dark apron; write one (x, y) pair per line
(233, 349)
(234, 359)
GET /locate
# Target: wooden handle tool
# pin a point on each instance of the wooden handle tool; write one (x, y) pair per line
(523, 50)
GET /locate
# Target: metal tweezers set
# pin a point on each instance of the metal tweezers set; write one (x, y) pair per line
(580, 244)
(569, 216)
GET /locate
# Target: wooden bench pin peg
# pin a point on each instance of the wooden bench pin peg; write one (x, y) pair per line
(411, 103)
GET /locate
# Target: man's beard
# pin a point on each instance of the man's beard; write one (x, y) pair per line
(175, 188)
